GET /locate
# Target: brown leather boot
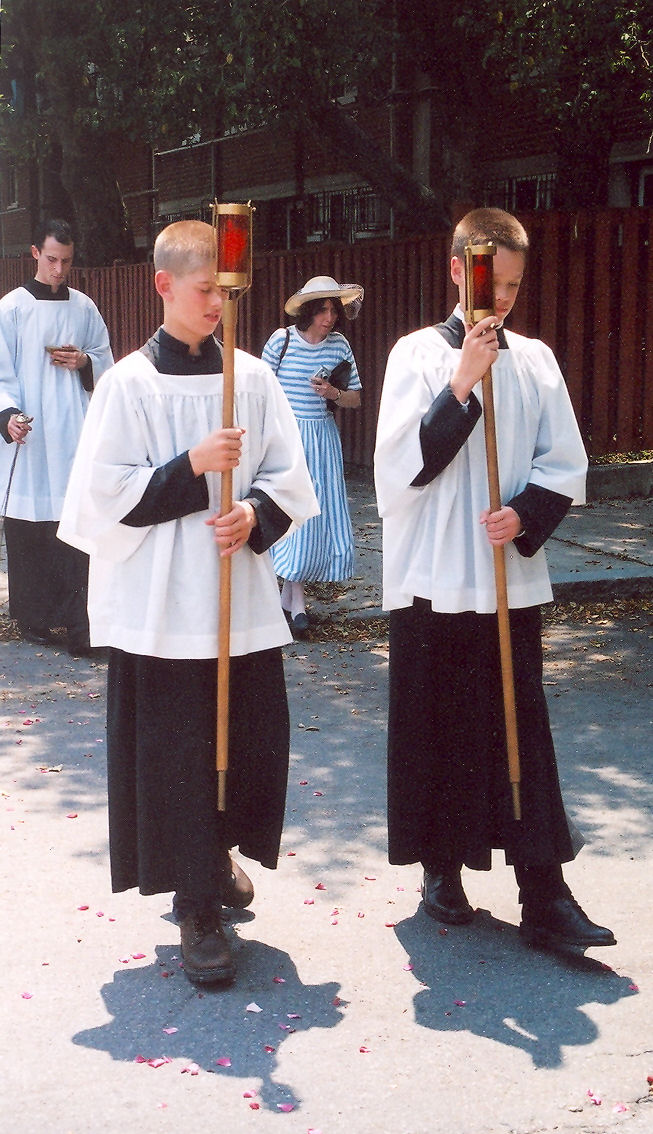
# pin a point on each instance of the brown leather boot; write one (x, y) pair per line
(236, 888)
(205, 950)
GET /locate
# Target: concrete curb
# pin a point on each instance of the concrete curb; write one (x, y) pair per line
(620, 482)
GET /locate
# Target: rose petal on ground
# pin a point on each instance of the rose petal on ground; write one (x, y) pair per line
(253, 1007)
(336, 1002)
(254, 1106)
(278, 980)
(293, 1016)
(363, 1049)
(633, 987)
(285, 1106)
(137, 956)
(82, 907)
(191, 1069)
(370, 877)
(460, 1003)
(285, 1027)
(619, 1108)
(320, 886)
(360, 914)
(408, 968)
(71, 815)
(303, 783)
(390, 924)
(223, 1061)
(124, 960)
(291, 854)
(268, 1047)
(170, 1031)
(309, 901)
(249, 1094)
(27, 995)
(595, 1099)
(318, 793)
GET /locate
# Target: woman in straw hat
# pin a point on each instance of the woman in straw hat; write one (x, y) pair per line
(304, 356)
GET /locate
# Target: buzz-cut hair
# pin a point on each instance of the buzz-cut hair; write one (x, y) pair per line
(482, 225)
(185, 246)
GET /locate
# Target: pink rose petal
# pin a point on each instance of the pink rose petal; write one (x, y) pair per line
(254, 1106)
(268, 1047)
(71, 815)
(318, 793)
(137, 956)
(82, 907)
(320, 886)
(363, 1049)
(253, 1007)
(223, 1061)
(390, 924)
(460, 1003)
(191, 1069)
(249, 1094)
(309, 901)
(633, 987)
(595, 1099)
(303, 783)
(278, 980)
(27, 995)
(408, 968)
(291, 854)
(285, 1106)
(619, 1108)
(293, 1016)
(370, 877)
(170, 1031)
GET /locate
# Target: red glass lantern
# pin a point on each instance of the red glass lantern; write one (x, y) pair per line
(479, 281)
(233, 229)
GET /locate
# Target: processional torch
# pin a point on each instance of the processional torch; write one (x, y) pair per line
(479, 303)
(233, 230)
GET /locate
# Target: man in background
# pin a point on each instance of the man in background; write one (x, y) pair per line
(54, 345)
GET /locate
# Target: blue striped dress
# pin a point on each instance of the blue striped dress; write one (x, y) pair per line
(322, 550)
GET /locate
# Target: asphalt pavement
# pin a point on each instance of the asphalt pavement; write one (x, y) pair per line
(352, 1012)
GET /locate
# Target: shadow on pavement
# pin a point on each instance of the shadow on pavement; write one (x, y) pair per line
(141, 1013)
(483, 980)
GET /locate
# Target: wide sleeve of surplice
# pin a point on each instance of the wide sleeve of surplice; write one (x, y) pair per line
(282, 473)
(559, 461)
(419, 367)
(111, 470)
(96, 343)
(10, 394)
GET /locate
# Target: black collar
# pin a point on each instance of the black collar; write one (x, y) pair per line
(172, 356)
(44, 291)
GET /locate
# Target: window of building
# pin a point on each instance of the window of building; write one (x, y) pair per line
(645, 195)
(10, 188)
(521, 194)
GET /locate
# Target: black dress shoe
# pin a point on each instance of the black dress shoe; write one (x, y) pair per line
(299, 624)
(445, 899)
(37, 635)
(562, 922)
(205, 950)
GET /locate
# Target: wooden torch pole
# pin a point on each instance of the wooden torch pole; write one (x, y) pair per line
(233, 227)
(479, 291)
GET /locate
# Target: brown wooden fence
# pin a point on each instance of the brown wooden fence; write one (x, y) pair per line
(588, 293)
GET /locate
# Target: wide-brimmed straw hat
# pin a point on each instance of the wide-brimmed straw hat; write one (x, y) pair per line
(325, 287)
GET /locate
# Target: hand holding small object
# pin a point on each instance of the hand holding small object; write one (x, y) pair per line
(68, 357)
(18, 427)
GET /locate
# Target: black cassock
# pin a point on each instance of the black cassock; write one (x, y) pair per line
(449, 794)
(165, 831)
